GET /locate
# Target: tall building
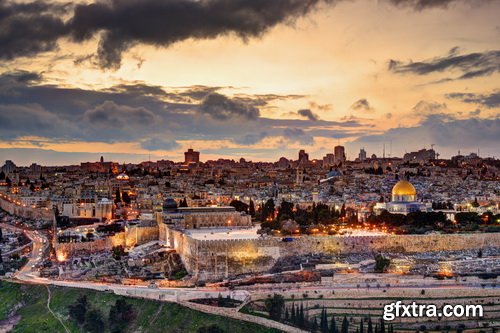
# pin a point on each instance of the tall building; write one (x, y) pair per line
(300, 176)
(9, 167)
(329, 160)
(362, 154)
(339, 152)
(191, 156)
(303, 157)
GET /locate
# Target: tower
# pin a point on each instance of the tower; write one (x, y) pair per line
(300, 176)
(339, 152)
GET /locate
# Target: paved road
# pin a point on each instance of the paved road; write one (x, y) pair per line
(40, 244)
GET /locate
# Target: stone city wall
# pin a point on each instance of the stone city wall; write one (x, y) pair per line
(130, 237)
(136, 235)
(101, 244)
(27, 212)
(216, 259)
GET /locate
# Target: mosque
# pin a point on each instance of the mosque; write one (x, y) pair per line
(403, 200)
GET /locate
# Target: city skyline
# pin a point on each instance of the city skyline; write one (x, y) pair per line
(246, 79)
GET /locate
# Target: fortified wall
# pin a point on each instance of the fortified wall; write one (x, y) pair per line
(217, 259)
(106, 243)
(132, 236)
(27, 212)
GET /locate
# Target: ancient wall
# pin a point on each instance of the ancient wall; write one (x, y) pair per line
(65, 250)
(27, 212)
(215, 259)
(139, 235)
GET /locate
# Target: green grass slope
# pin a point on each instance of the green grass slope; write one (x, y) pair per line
(151, 316)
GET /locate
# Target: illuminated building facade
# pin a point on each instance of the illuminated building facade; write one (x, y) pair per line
(403, 200)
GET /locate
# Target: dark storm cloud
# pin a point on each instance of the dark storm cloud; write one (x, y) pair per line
(250, 139)
(109, 114)
(298, 135)
(33, 27)
(158, 143)
(221, 107)
(487, 100)
(470, 65)
(136, 112)
(306, 113)
(29, 28)
(423, 4)
(445, 131)
(362, 105)
(29, 119)
(124, 23)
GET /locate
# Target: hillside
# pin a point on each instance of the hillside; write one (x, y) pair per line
(148, 316)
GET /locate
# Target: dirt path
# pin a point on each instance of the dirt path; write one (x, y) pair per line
(232, 313)
(52, 312)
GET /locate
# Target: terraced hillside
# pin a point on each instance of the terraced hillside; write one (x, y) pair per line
(358, 304)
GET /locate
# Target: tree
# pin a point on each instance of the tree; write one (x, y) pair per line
(370, 325)
(382, 325)
(1, 235)
(126, 198)
(293, 317)
(381, 263)
(118, 252)
(251, 208)
(268, 210)
(94, 321)
(333, 326)
(286, 208)
(301, 321)
(183, 203)
(239, 206)
(275, 306)
(78, 310)
(342, 210)
(314, 325)
(120, 315)
(345, 326)
(118, 196)
(210, 329)
(323, 324)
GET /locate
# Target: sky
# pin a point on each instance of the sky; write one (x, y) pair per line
(134, 80)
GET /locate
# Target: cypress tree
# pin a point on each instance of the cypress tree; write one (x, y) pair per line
(333, 325)
(345, 326)
(324, 321)
(361, 326)
(382, 325)
(293, 318)
(370, 325)
(301, 316)
(315, 325)
(287, 315)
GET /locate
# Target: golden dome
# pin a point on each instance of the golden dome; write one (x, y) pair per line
(122, 176)
(404, 187)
